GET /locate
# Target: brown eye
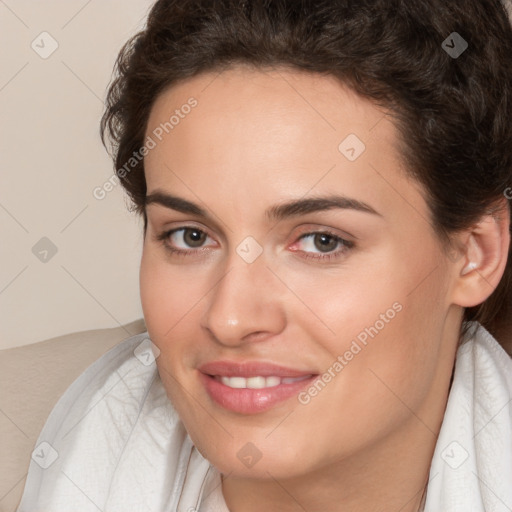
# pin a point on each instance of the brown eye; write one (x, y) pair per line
(322, 246)
(193, 237)
(325, 243)
(183, 240)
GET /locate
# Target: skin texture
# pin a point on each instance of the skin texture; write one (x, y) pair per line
(261, 138)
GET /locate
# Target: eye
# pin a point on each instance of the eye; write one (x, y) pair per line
(322, 245)
(179, 240)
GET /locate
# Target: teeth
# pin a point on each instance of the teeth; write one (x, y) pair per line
(272, 381)
(258, 382)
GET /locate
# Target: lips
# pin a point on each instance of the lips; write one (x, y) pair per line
(252, 387)
(251, 369)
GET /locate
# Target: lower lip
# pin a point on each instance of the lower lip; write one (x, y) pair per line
(251, 401)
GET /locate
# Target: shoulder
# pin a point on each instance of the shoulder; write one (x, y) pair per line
(33, 378)
(474, 444)
(488, 358)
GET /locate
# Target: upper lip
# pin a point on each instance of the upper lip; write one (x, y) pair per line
(250, 369)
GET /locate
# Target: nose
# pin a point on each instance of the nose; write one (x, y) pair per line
(245, 305)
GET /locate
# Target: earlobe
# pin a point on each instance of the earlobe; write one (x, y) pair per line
(485, 258)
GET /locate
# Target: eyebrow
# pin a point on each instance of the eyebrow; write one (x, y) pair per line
(277, 212)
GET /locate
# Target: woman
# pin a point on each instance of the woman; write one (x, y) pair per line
(325, 266)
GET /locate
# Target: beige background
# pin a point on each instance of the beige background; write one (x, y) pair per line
(51, 160)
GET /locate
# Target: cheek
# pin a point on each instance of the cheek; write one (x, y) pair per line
(152, 293)
(165, 306)
(168, 294)
(384, 319)
(172, 298)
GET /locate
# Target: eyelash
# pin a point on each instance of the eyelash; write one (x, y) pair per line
(346, 244)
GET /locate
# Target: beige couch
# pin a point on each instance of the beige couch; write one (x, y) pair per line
(32, 379)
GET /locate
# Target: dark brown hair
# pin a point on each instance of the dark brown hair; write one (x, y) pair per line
(453, 112)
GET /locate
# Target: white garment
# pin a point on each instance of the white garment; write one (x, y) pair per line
(122, 448)
(471, 469)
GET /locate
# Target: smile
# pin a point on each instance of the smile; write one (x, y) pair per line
(258, 382)
(235, 394)
(252, 387)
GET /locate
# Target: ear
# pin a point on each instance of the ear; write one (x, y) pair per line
(485, 251)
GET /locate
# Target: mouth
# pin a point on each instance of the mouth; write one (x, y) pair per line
(254, 387)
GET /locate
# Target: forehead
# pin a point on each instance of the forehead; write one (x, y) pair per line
(315, 101)
(283, 130)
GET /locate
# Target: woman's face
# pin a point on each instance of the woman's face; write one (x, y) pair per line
(350, 293)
